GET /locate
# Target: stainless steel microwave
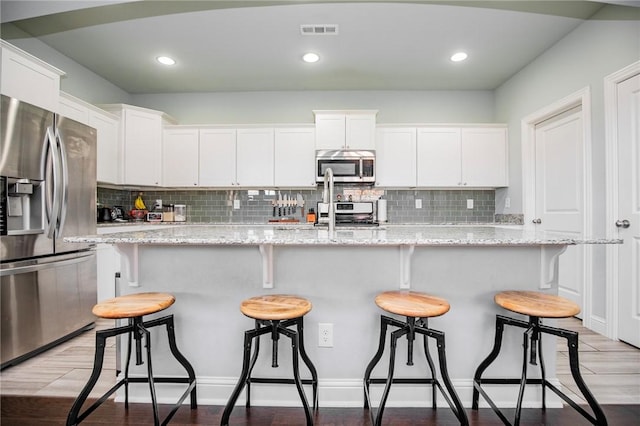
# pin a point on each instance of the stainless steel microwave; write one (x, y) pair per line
(353, 166)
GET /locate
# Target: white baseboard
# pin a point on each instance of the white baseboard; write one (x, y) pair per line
(339, 393)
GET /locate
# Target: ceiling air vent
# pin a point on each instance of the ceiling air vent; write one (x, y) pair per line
(319, 29)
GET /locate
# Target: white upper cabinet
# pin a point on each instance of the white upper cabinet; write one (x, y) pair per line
(29, 79)
(294, 156)
(180, 151)
(345, 129)
(217, 159)
(141, 143)
(438, 157)
(254, 157)
(462, 157)
(108, 165)
(484, 157)
(106, 125)
(396, 157)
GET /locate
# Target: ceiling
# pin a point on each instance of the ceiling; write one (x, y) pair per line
(258, 45)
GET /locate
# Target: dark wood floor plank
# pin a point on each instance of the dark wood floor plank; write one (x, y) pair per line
(48, 411)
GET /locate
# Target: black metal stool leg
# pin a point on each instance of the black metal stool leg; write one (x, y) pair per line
(248, 338)
(434, 388)
(152, 387)
(307, 361)
(523, 378)
(572, 342)
(72, 418)
(293, 335)
(477, 378)
(128, 363)
(374, 361)
(254, 358)
(543, 373)
(182, 360)
(392, 361)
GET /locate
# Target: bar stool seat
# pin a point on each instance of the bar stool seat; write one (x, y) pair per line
(133, 307)
(275, 307)
(412, 304)
(417, 307)
(274, 315)
(536, 306)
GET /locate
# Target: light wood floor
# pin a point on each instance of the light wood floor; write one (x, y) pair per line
(611, 369)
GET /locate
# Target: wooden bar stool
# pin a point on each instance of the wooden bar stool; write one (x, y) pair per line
(417, 308)
(274, 315)
(536, 306)
(133, 307)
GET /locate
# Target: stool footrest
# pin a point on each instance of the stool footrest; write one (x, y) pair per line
(406, 381)
(281, 381)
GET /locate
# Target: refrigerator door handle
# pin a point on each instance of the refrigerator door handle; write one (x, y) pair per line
(31, 267)
(63, 182)
(53, 191)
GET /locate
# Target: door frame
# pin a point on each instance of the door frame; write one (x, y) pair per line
(611, 155)
(528, 124)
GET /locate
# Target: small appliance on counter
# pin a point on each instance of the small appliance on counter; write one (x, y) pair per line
(348, 213)
(180, 213)
(381, 211)
(105, 214)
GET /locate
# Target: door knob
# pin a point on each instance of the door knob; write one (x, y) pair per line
(623, 223)
(537, 221)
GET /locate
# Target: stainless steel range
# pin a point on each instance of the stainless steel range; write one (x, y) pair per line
(348, 213)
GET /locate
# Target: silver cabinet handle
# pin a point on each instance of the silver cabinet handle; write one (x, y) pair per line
(537, 221)
(623, 223)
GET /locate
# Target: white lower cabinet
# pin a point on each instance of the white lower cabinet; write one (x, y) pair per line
(396, 157)
(294, 157)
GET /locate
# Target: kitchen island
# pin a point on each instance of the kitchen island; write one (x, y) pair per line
(212, 268)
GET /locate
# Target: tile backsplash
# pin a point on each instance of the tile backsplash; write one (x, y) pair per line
(438, 206)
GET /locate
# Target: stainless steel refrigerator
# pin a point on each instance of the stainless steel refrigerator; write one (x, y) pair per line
(48, 191)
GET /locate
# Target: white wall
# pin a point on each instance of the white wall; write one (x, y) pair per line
(79, 81)
(596, 48)
(297, 106)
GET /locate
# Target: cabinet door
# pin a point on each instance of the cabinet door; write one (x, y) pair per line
(396, 157)
(26, 78)
(330, 131)
(143, 148)
(180, 157)
(254, 157)
(360, 131)
(484, 157)
(108, 165)
(217, 165)
(438, 157)
(294, 157)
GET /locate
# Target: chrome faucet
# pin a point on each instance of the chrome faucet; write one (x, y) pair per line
(327, 198)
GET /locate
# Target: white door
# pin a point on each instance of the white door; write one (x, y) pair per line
(559, 150)
(628, 129)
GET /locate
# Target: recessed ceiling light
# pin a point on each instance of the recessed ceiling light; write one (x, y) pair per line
(165, 60)
(457, 57)
(311, 57)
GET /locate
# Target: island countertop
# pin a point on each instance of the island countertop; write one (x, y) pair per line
(390, 235)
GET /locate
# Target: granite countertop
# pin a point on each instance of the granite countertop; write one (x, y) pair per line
(419, 235)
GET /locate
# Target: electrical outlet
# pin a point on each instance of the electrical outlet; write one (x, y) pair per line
(325, 335)
(418, 203)
(507, 203)
(469, 204)
(236, 204)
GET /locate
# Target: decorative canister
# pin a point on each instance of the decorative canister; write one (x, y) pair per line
(180, 213)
